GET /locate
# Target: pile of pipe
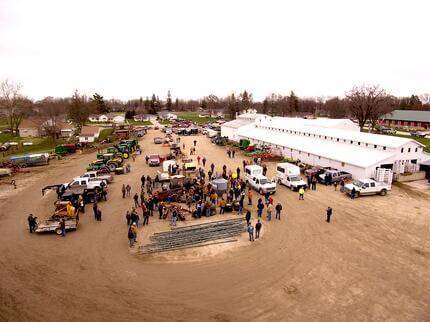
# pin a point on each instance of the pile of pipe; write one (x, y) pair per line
(211, 233)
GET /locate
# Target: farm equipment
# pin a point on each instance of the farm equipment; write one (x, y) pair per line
(106, 160)
(64, 149)
(243, 144)
(30, 160)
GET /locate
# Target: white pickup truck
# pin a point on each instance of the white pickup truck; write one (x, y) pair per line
(289, 175)
(95, 175)
(89, 183)
(362, 187)
(254, 178)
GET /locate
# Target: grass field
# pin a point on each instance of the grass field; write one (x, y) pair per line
(194, 117)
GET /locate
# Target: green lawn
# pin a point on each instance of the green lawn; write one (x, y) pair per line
(194, 117)
(133, 122)
(39, 145)
(3, 123)
(104, 134)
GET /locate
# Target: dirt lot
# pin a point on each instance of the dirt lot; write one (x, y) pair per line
(370, 263)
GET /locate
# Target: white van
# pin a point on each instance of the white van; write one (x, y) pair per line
(255, 179)
(289, 175)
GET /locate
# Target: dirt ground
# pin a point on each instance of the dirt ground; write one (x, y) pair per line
(370, 263)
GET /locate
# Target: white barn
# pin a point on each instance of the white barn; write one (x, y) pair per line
(345, 149)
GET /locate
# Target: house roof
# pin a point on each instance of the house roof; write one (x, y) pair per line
(408, 115)
(89, 130)
(30, 123)
(305, 126)
(348, 153)
(235, 124)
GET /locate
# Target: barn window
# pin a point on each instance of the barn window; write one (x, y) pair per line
(352, 142)
(309, 154)
(319, 157)
(359, 143)
(375, 146)
(325, 138)
(409, 150)
(384, 148)
(337, 140)
(416, 149)
(401, 151)
(343, 164)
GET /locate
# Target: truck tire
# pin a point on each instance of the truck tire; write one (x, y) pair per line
(111, 167)
(357, 194)
(383, 192)
(58, 231)
(125, 155)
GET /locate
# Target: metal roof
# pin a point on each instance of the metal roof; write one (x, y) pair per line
(235, 124)
(408, 115)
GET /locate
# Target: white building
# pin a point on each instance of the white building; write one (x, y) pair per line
(165, 115)
(341, 146)
(89, 134)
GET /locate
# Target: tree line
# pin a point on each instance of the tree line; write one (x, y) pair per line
(365, 103)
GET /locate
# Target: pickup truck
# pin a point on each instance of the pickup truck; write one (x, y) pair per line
(289, 175)
(418, 134)
(333, 176)
(363, 187)
(88, 182)
(153, 160)
(158, 140)
(261, 184)
(97, 175)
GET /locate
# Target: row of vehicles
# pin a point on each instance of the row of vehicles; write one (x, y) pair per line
(288, 174)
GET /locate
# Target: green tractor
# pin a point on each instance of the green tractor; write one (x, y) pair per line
(132, 143)
(108, 161)
(244, 144)
(124, 149)
(111, 150)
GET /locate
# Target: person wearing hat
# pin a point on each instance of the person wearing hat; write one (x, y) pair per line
(130, 236)
(133, 228)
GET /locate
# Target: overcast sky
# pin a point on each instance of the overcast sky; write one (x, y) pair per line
(129, 49)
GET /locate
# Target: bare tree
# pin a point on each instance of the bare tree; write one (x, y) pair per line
(78, 110)
(366, 103)
(13, 104)
(50, 111)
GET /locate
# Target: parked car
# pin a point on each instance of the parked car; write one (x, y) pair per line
(158, 140)
(418, 134)
(367, 187)
(334, 176)
(289, 175)
(387, 130)
(154, 160)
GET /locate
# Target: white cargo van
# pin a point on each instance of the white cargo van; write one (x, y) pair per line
(289, 175)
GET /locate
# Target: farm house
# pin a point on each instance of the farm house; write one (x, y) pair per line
(344, 149)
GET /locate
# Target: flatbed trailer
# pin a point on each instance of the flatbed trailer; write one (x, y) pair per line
(53, 225)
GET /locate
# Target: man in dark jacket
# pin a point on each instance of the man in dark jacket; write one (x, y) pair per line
(31, 223)
(258, 226)
(248, 217)
(278, 209)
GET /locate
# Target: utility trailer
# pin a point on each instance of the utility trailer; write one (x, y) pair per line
(53, 225)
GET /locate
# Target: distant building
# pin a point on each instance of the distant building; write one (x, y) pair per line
(113, 117)
(407, 118)
(35, 127)
(89, 134)
(144, 117)
(165, 115)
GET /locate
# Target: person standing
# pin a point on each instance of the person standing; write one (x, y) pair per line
(198, 159)
(142, 180)
(63, 227)
(249, 197)
(251, 232)
(335, 185)
(146, 217)
(260, 207)
(136, 200)
(248, 217)
(31, 223)
(99, 215)
(222, 204)
(123, 191)
(130, 236)
(238, 172)
(314, 183)
(174, 217)
(128, 218)
(266, 197)
(212, 167)
(329, 213)
(195, 142)
(160, 210)
(257, 229)
(134, 230)
(278, 209)
(95, 208)
(309, 182)
(269, 212)
(301, 193)
(128, 190)
(353, 193)
(233, 152)
(204, 161)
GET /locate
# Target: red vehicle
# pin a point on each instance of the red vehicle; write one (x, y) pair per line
(154, 160)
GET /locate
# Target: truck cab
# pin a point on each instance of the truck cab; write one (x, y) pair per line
(289, 175)
(95, 175)
(154, 160)
(90, 184)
